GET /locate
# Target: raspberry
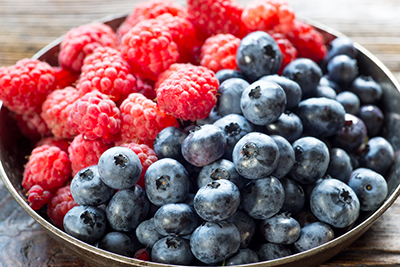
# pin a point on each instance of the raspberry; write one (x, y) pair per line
(147, 157)
(189, 93)
(289, 52)
(210, 17)
(146, 88)
(95, 115)
(63, 144)
(55, 111)
(81, 41)
(25, 85)
(307, 40)
(32, 126)
(150, 10)
(142, 120)
(84, 153)
(149, 49)
(59, 205)
(107, 71)
(219, 52)
(65, 78)
(266, 14)
(48, 167)
(171, 70)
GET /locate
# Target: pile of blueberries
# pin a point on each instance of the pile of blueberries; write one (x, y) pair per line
(282, 164)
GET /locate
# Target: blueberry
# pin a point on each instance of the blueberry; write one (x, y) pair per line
(229, 94)
(288, 125)
(311, 160)
(175, 219)
(246, 226)
(127, 209)
(263, 198)
(235, 126)
(243, 256)
(258, 55)
(367, 89)
(280, 229)
(211, 118)
(341, 45)
(321, 117)
(326, 81)
(172, 250)
(377, 155)
(340, 166)
(325, 91)
(168, 143)
(351, 135)
(335, 203)
(213, 242)
(255, 155)
(271, 251)
(314, 235)
(292, 89)
(373, 118)
(350, 102)
(119, 167)
(220, 169)
(167, 181)
(342, 69)
(225, 74)
(263, 102)
(286, 157)
(86, 223)
(88, 189)
(203, 145)
(294, 196)
(306, 73)
(147, 234)
(217, 200)
(117, 242)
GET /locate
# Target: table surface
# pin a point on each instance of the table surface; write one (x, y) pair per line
(26, 26)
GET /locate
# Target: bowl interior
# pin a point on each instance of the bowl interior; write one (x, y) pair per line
(14, 148)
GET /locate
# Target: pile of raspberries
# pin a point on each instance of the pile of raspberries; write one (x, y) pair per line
(123, 86)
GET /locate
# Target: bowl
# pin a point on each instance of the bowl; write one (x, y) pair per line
(14, 148)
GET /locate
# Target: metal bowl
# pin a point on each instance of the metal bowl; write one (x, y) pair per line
(14, 147)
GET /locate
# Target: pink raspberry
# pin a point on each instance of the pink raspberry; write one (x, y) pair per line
(63, 144)
(81, 41)
(107, 71)
(25, 85)
(95, 115)
(59, 205)
(219, 52)
(142, 120)
(84, 153)
(55, 111)
(32, 126)
(189, 93)
(171, 70)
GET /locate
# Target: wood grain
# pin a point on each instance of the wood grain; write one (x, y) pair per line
(26, 26)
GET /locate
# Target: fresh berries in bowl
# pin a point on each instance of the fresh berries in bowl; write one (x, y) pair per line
(189, 133)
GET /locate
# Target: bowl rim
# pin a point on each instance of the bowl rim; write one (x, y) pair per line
(357, 231)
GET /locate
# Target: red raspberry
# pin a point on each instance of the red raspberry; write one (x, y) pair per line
(65, 78)
(147, 157)
(142, 120)
(95, 115)
(107, 71)
(59, 205)
(25, 85)
(38, 197)
(63, 144)
(308, 41)
(55, 111)
(146, 88)
(84, 153)
(210, 17)
(150, 10)
(289, 52)
(266, 14)
(148, 49)
(219, 52)
(189, 93)
(81, 41)
(48, 167)
(32, 126)
(171, 70)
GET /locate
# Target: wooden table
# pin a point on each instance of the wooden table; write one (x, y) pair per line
(26, 26)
